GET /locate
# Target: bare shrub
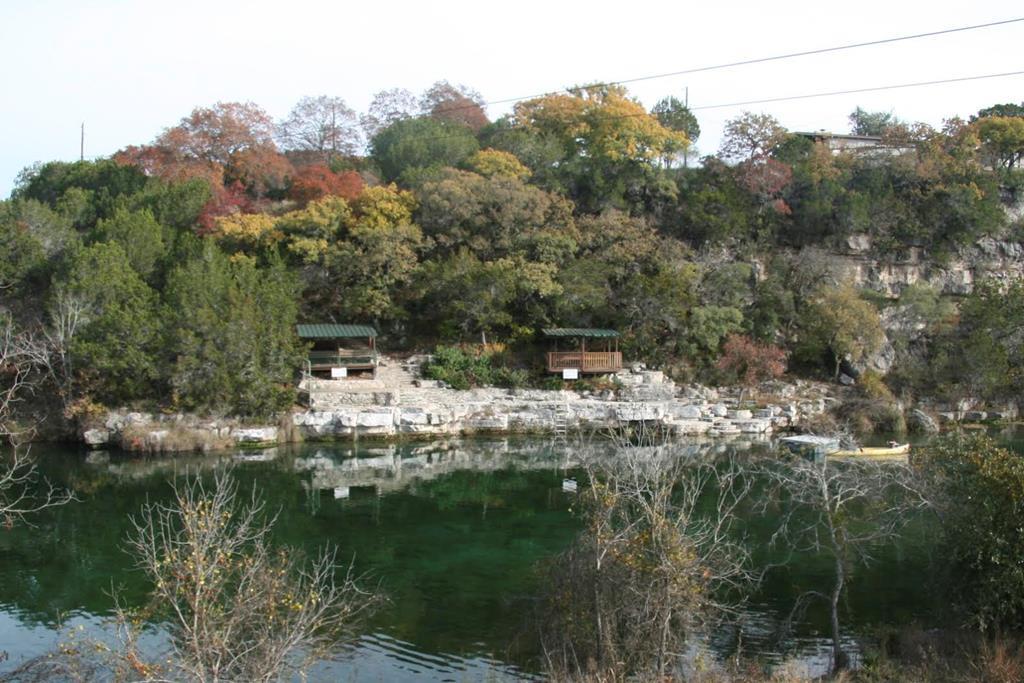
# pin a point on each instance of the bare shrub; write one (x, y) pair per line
(23, 491)
(236, 608)
(842, 509)
(652, 565)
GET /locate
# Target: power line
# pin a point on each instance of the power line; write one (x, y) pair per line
(773, 58)
(785, 98)
(857, 90)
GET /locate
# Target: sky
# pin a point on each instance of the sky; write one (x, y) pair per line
(129, 69)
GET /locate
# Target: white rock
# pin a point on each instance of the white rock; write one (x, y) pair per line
(96, 437)
(255, 435)
(375, 419)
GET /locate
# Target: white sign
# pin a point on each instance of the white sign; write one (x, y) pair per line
(339, 373)
(341, 492)
(570, 373)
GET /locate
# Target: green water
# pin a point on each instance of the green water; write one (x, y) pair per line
(451, 531)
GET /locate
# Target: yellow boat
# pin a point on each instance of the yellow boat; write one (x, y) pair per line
(899, 451)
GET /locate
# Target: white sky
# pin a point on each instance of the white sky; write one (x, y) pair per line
(128, 69)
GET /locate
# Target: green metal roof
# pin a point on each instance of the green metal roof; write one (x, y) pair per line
(579, 332)
(334, 331)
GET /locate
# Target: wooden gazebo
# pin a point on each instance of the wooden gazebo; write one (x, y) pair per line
(339, 349)
(582, 359)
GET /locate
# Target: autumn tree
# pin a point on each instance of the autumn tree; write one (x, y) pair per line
(496, 216)
(751, 362)
(324, 125)
(214, 134)
(228, 141)
(750, 137)
(610, 144)
(1003, 139)
(839, 323)
(313, 182)
(494, 162)
(388, 107)
(356, 257)
(457, 104)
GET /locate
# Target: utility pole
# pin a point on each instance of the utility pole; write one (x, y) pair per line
(81, 144)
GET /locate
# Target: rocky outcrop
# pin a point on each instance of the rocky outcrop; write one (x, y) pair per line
(349, 410)
(987, 258)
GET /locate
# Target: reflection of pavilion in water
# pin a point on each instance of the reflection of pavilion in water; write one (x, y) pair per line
(387, 469)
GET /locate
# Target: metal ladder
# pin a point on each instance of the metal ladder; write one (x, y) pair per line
(561, 427)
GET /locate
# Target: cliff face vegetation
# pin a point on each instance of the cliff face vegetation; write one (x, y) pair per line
(173, 272)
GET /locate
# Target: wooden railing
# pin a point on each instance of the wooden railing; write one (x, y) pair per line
(585, 361)
(342, 358)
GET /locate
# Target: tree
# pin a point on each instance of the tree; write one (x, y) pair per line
(325, 125)
(496, 216)
(114, 341)
(610, 144)
(981, 357)
(414, 144)
(1003, 139)
(235, 607)
(23, 359)
(139, 235)
(843, 509)
(493, 162)
(457, 104)
(226, 142)
(214, 134)
(872, 122)
(388, 107)
(1008, 109)
(232, 332)
(839, 322)
(314, 182)
(674, 115)
(977, 490)
(750, 137)
(654, 563)
(750, 362)
(472, 296)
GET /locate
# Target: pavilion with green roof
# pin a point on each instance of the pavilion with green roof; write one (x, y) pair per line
(340, 349)
(607, 358)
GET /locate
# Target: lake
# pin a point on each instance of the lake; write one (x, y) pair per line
(452, 531)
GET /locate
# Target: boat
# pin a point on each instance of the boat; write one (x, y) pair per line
(818, 447)
(897, 451)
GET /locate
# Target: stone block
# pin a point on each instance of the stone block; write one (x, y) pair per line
(255, 435)
(368, 418)
(739, 415)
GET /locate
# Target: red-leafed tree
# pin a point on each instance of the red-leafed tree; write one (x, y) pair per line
(313, 182)
(750, 362)
(226, 143)
(457, 104)
(226, 200)
(214, 134)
